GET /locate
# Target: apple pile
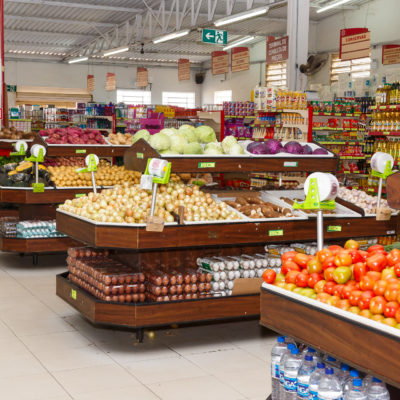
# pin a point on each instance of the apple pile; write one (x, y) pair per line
(366, 283)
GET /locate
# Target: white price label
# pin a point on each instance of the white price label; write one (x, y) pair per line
(146, 182)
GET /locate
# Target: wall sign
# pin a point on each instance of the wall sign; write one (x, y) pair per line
(219, 62)
(183, 69)
(277, 50)
(354, 43)
(390, 54)
(142, 77)
(110, 81)
(90, 83)
(240, 59)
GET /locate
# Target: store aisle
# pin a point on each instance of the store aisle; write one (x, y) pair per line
(49, 352)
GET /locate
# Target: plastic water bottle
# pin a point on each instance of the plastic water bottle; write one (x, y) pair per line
(303, 378)
(292, 365)
(344, 373)
(285, 355)
(288, 340)
(276, 354)
(367, 381)
(348, 383)
(329, 387)
(333, 363)
(314, 381)
(357, 392)
(377, 390)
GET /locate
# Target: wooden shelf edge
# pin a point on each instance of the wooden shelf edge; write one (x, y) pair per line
(45, 245)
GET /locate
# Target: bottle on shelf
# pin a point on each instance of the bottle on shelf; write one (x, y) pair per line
(276, 354)
(329, 387)
(314, 381)
(377, 390)
(344, 373)
(291, 371)
(348, 383)
(285, 355)
(303, 378)
(357, 392)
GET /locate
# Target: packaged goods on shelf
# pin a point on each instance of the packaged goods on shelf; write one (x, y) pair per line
(8, 226)
(238, 108)
(38, 229)
(272, 99)
(343, 105)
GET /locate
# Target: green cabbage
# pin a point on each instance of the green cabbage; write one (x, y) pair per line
(188, 132)
(227, 143)
(192, 148)
(213, 148)
(142, 134)
(205, 134)
(236, 149)
(168, 131)
(160, 141)
(186, 126)
(168, 153)
(178, 142)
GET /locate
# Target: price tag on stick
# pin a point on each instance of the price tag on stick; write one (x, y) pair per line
(146, 182)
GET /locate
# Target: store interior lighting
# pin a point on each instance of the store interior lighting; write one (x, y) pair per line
(76, 60)
(332, 5)
(242, 16)
(171, 36)
(116, 51)
(239, 42)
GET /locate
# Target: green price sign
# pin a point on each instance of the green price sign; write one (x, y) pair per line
(206, 165)
(334, 228)
(139, 155)
(73, 294)
(276, 232)
(292, 164)
(79, 195)
(38, 187)
(80, 151)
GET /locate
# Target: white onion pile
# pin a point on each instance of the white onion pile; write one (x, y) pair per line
(131, 204)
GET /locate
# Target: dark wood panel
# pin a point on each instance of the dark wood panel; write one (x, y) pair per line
(8, 212)
(37, 211)
(76, 228)
(393, 190)
(360, 346)
(47, 245)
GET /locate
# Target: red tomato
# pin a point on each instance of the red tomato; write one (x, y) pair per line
(365, 314)
(375, 247)
(364, 254)
(388, 273)
(291, 276)
(380, 287)
(397, 316)
(393, 257)
(355, 256)
(301, 260)
(269, 275)
(391, 309)
(328, 274)
(338, 290)
(334, 249)
(359, 270)
(333, 300)
(328, 287)
(397, 269)
(377, 305)
(374, 275)
(323, 254)
(367, 283)
(376, 262)
(343, 259)
(301, 280)
(390, 321)
(392, 292)
(352, 244)
(313, 279)
(347, 291)
(378, 317)
(314, 265)
(288, 256)
(343, 304)
(319, 286)
(323, 297)
(354, 297)
(289, 266)
(329, 262)
(365, 299)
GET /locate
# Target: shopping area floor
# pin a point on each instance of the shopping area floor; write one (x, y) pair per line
(48, 351)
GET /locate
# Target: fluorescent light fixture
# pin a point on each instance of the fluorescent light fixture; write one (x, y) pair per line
(171, 36)
(76, 60)
(116, 51)
(238, 42)
(332, 5)
(255, 12)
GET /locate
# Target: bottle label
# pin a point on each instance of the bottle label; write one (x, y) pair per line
(281, 377)
(313, 395)
(290, 384)
(275, 371)
(302, 390)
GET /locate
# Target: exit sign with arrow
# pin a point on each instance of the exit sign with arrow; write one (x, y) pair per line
(214, 36)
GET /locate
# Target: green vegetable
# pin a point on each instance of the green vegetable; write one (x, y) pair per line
(142, 134)
(227, 143)
(189, 133)
(236, 150)
(205, 134)
(213, 148)
(178, 142)
(168, 153)
(169, 131)
(390, 247)
(160, 141)
(192, 148)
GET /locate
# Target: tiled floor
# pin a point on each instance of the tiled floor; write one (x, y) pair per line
(49, 352)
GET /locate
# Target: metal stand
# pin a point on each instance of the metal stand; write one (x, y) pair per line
(280, 179)
(320, 230)
(35, 259)
(379, 193)
(153, 199)
(140, 335)
(94, 183)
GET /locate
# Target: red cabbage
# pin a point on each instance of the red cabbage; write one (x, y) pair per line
(293, 147)
(258, 148)
(320, 151)
(307, 149)
(274, 146)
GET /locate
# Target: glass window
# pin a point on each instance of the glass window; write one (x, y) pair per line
(134, 97)
(276, 75)
(179, 99)
(360, 68)
(222, 95)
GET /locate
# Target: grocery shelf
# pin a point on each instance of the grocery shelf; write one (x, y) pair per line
(135, 158)
(386, 107)
(361, 345)
(239, 116)
(347, 142)
(384, 133)
(45, 245)
(215, 234)
(334, 114)
(142, 315)
(327, 128)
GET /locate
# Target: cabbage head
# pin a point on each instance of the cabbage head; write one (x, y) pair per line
(227, 143)
(142, 134)
(168, 153)
(213, 148)
(178, 142)
(188, 132)
(168, 131)
(236, 150)
(192, 148)
(205, 134)
(160, 141)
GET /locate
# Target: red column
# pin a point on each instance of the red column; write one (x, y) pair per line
(3, 92)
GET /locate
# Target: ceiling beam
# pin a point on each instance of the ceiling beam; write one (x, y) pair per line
(77, 5)
(57, 21)
(35, 46)
(61, 34)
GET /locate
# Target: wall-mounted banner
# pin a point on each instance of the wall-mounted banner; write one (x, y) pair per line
(110, 81)
(390, 54)
(240, 59)
(219, 62)
(183, 69)
(354, 43)
(90, 83)
(142, 77)
(277, 50)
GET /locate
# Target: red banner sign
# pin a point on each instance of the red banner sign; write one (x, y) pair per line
(219, 62)
(277, 50)
(90, 83)
(110, 81)
(354, 43)
(142, 77)
(240, 59)
(183, 69)
(390, 54)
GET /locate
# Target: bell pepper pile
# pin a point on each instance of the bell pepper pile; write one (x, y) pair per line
(366, 283)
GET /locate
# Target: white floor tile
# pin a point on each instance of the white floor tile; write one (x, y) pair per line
(95, 379)
(127, 393)
(14, 365)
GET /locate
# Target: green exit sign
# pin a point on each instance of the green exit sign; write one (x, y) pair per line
(215, 36)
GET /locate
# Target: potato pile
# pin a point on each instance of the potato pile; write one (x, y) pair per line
(106, 175)
(15, 134)
(120, 138)
(253, 207)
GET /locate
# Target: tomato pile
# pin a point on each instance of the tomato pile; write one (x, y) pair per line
(366, 283)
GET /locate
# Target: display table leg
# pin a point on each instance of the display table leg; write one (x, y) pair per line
(140, 335)
(35, 259)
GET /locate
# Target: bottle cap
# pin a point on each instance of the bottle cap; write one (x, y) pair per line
(331, 359)
(345, 367)
(311, 350)
(354, 373)
(357, 382)
(329, 371)
(376, 380)
(294, 350)
(308, 358)
(290, 346)
(281, 339)
(320, 365)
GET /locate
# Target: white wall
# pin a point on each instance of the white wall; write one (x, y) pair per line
(74, 76)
